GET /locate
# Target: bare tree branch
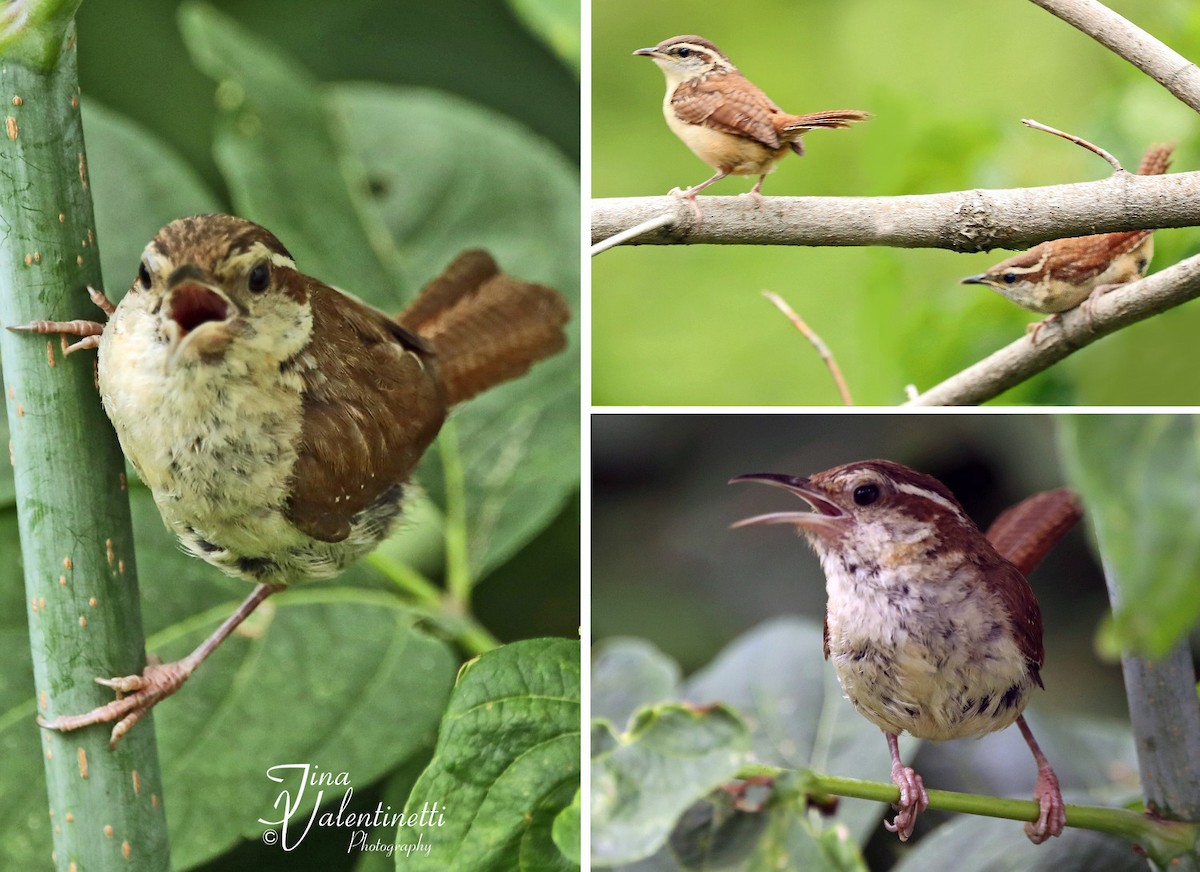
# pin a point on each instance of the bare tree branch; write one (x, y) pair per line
(1022, 359)
(965, 221)
(816, 341)
(1167, 67)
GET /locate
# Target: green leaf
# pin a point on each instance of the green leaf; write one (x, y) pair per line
(506, 765)
(1139, 479)
(282, 161)
(556, 23)
(139, 184)
(671, 756)
(629, 674)
(568, 830)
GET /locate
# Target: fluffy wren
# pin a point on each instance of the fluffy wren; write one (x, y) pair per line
(276, 419)
(930, 629)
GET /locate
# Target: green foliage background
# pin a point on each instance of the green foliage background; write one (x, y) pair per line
(948, 83)
(301, 116)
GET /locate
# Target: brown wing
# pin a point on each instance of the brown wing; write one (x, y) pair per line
(729, 103)
(369, 414)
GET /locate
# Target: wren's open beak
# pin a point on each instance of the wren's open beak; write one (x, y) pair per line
(826, 517)
(198, 317)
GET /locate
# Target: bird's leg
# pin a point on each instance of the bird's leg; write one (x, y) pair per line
(913, 799)
(1046, 793)
(89, 330)
(157, 681)
(690, 193)
(1097, 292)
(1035, 328)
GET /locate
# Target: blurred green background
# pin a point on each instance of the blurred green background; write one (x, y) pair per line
(947, 83)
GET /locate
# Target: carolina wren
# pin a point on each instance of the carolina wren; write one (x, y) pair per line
(931, 630)
(725, 119)
(1063, 273)
(275, 419)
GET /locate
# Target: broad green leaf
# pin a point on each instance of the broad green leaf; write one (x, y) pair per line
(507, 763)
(281, 159)
(989, 845)
(138, 185)
(780, 837)
(629, 674)
(671, 756)
(556, 22)
(1139, 479)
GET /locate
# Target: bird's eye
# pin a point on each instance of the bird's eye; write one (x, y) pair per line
(259, 278)
(685, 52)
(143, 276)
(865, 494)
(1009, 278)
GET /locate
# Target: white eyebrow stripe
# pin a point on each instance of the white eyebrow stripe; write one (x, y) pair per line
(931, 496)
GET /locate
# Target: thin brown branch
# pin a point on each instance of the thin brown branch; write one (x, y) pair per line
(1163, 64)
(1023, 359)
(1078, 140)
(817, 343)
(966, 221)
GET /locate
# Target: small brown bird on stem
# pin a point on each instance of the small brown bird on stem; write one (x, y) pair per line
(726, 120)
(930, 629)
(276, 419)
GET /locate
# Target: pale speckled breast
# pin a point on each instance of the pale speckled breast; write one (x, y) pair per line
(922, 657)
(216, 447)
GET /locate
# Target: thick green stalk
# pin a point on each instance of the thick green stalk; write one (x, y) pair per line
(106, 806)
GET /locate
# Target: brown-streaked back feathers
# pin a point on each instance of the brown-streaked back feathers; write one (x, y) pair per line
(1156, 160)
(485, 327)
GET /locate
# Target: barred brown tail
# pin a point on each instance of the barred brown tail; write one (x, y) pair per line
(1156, 160)
(833, 119)
(485, 327)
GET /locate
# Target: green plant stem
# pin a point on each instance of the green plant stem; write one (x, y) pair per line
(1161, 839)
(458, 566)
(105, 806)
(443, 610)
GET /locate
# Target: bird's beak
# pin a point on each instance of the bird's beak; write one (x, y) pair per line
(647, 52)
(980, 279)
(825, 519)
(198, 317)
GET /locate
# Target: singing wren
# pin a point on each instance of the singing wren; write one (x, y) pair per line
(930, 629)
(1061, 274)
(276, 419)
(726, 120)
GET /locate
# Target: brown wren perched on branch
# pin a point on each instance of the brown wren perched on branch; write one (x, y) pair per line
(930, 628)
(726, 120)
(275, 419)
(1061, 274)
